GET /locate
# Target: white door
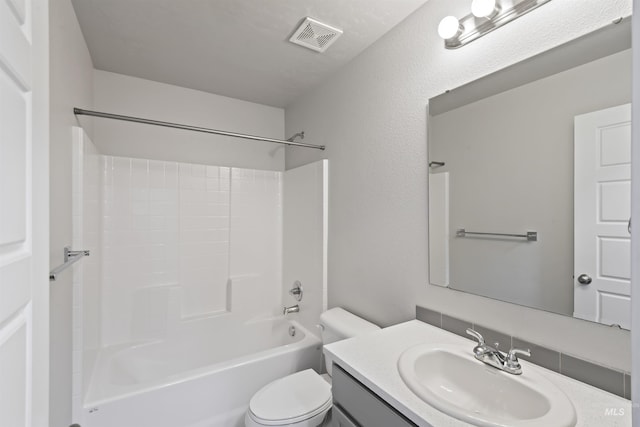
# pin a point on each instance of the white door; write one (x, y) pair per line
(24, 128)
(602, 242)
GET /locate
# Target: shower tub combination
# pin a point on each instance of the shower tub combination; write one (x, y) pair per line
(180, 336)
(192, 379)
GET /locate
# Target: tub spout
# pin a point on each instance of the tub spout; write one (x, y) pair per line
(292, 309)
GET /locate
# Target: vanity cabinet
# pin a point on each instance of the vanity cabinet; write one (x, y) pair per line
(354, 405)
(340, 419)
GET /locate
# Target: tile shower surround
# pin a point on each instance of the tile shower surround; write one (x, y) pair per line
(611, 380)
(175, 235)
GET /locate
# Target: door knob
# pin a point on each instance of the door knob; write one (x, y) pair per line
(584, 279)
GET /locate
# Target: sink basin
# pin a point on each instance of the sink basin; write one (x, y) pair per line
(451, 380)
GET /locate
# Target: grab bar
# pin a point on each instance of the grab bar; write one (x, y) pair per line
(70, 258)
(531, 236)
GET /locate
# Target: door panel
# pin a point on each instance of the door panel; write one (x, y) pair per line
(20, 280)
(14, 370)
(19, 8)
(615, 201)
(615, 145)
(602, 187)
(13, 157)
(615, 258)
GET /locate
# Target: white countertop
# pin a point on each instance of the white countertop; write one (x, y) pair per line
(372, 359)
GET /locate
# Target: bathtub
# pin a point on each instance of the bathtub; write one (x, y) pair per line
(190, 379)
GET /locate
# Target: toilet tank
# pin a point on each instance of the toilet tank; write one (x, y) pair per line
(338, 324)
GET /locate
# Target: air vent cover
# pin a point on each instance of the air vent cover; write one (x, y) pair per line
(315, 35)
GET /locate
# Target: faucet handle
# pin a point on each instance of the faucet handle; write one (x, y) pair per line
(296, 290)
(511, 356)
(476, 335)
(512, 364)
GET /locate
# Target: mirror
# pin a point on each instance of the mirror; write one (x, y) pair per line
(529, 181)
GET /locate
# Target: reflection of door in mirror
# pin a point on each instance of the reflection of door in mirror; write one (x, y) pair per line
(506, 143)
(602, 182)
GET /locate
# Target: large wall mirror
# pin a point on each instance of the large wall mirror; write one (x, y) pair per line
(529, 183)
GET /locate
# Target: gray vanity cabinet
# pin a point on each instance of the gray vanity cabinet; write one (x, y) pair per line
(340, 419)
(354, 405)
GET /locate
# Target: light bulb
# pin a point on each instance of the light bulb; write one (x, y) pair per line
(449, 27)
(484, 8)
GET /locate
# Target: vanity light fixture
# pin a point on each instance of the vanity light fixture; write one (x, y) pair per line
(485, 8)
(450, 27)
(485, 16)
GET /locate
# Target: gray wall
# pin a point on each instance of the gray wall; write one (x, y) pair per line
(71, 74)
(372, 117)
(510, 159)
(120, 94)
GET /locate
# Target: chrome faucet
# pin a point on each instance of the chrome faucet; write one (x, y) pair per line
(292, 309)
(296, 291)
(507, 362)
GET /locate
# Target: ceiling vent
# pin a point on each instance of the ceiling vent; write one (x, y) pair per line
(315, 35)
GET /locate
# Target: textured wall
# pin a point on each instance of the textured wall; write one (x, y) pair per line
(304, 242)
(120, 94)
(372, 117)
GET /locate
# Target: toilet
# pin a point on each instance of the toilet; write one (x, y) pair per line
(303, 399)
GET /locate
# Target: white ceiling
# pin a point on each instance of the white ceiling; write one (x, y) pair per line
(236, 48)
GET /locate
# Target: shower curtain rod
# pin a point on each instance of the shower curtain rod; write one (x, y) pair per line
(81, 112)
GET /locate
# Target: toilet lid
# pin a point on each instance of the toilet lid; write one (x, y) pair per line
(292, 399)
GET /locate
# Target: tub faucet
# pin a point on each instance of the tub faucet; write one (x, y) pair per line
(292, 309)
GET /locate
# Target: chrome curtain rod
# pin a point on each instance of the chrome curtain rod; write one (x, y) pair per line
(81, 112)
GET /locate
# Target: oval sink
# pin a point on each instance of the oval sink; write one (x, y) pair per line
(451, 380)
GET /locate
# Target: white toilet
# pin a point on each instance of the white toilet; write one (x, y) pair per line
(303, 399)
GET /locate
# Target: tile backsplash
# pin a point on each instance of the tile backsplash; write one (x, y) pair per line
(611, 380)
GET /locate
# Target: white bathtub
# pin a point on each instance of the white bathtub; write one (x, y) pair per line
(202, 375)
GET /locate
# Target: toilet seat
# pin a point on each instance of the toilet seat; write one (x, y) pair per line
(292, 399)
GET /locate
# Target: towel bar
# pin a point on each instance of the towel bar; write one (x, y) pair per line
(70, 258)
(531, 236)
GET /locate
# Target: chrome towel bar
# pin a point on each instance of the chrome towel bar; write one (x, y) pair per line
(70, 258)
(531, 236)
